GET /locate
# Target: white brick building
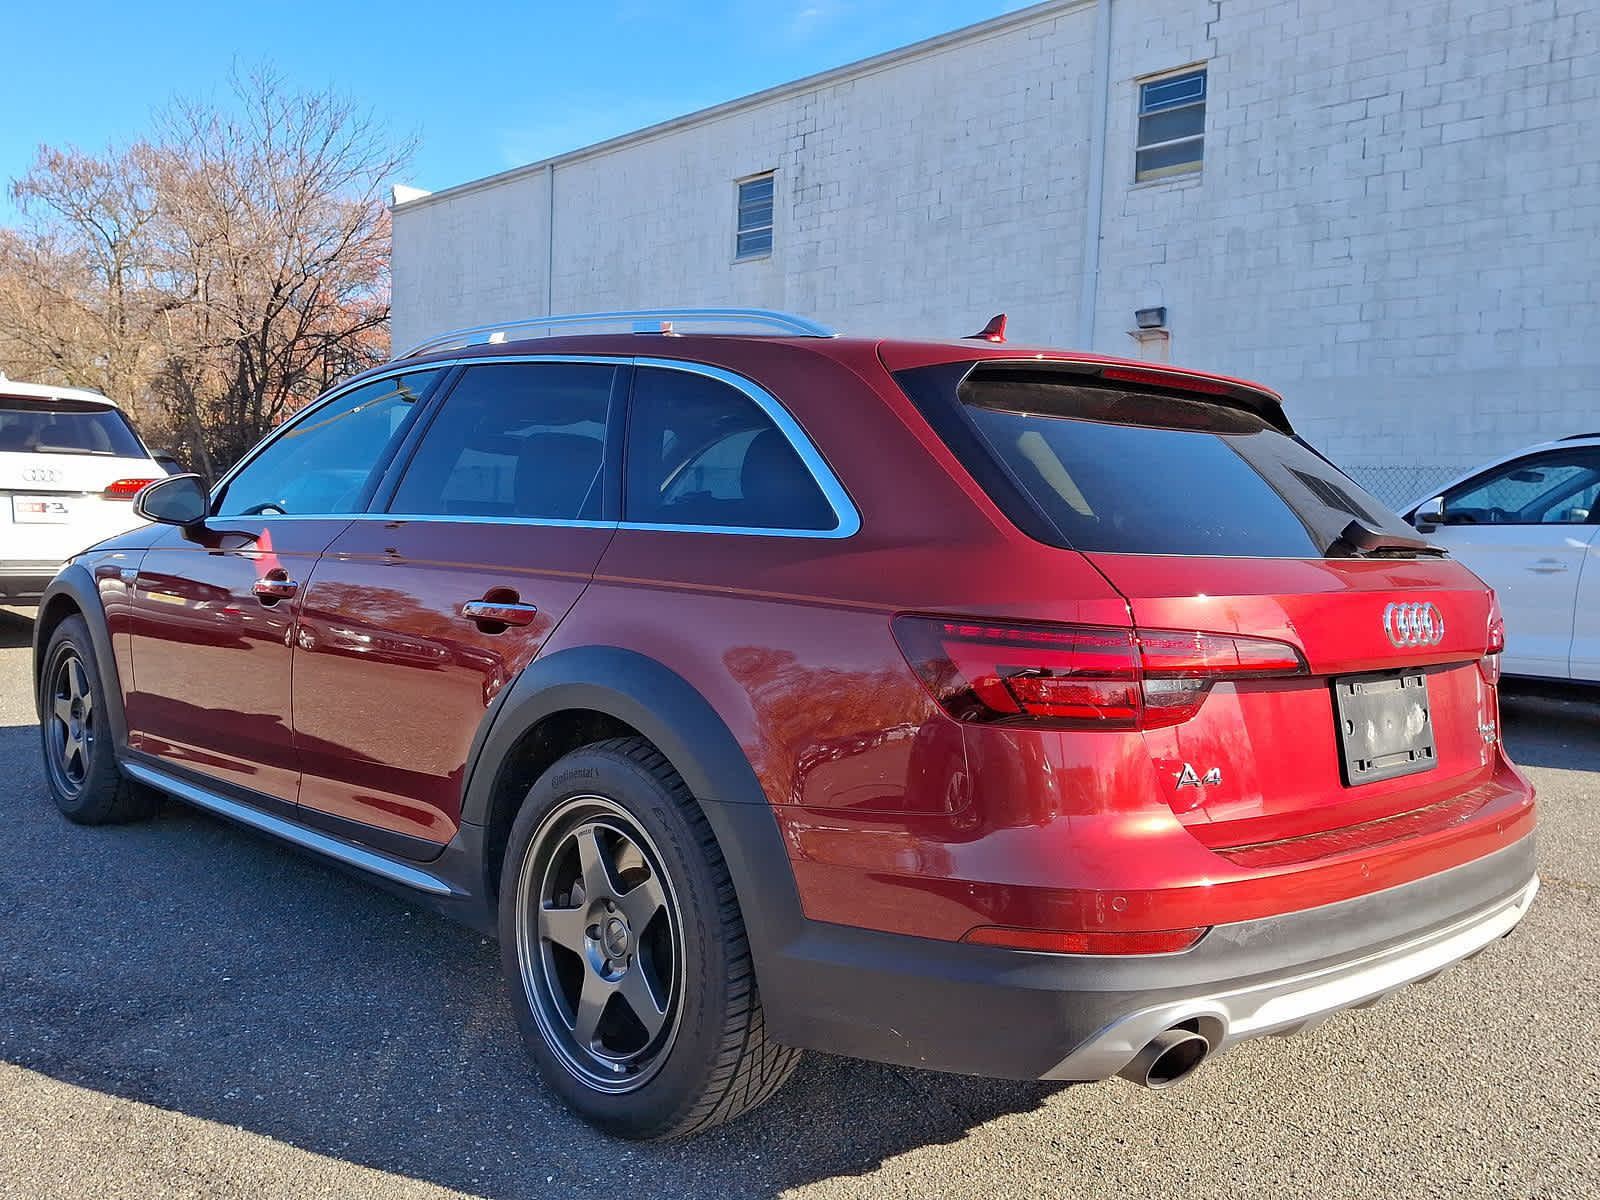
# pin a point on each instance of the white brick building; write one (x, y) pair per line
(1396, 220)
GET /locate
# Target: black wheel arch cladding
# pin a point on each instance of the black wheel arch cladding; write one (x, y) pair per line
(74, 587)
(667, 710)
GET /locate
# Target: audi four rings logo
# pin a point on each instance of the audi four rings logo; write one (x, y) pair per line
(41, 475)
(1413, 624)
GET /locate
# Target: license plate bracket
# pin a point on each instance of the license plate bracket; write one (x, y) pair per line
(1385, 725)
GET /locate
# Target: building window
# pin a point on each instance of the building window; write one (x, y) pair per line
(754, 239)
(1172, 125)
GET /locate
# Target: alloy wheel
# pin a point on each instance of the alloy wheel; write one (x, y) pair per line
(72, 723)
(600, 944)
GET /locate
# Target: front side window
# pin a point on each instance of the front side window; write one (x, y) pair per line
(515, 440)
(1172, 124)
(754, 237)
(1553, 489)
(702, 453)
(323, 463)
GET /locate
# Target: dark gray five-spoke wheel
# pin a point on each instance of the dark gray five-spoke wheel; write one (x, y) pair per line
(631, 972)
(76, 730)
(72, 722)
(600, 944)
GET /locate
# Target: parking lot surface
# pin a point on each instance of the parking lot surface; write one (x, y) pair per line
(189, 1010)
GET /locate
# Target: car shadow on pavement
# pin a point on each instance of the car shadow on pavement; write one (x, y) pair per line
(1552, 725)
(16, 632)
(187, 964)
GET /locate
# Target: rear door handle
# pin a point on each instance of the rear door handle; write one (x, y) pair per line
(499, 612)
(1548, 566)
(275, 586)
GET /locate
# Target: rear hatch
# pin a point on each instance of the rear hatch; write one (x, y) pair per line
(68, 471)
(1196, 501)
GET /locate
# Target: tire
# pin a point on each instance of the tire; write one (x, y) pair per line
(651, 955)
(80, 761)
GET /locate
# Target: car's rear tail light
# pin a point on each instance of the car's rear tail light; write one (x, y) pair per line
(1489, 664)
(1080, 676)
(126, 489)
(1051, 941)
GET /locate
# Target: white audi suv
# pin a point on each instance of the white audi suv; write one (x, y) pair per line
(70, 465)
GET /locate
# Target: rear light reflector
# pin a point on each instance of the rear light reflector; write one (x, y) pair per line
(1050, 941)
(126, 489)
(1080, 676)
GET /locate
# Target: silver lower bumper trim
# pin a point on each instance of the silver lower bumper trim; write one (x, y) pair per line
(1294, 1002)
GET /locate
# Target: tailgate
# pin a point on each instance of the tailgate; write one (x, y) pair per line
(1198, 503)
(1274, 750)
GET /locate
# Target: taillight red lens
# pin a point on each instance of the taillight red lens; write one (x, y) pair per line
(1051, 941)
(126, 489)
(1080, 676)
(1065, 676)
(1489, 664)
(1180, 667)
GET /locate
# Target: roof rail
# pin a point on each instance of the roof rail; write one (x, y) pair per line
(656, 320)
(1578, 437)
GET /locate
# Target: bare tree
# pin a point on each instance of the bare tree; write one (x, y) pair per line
(276, 236)
(215, 278)
(78, 294)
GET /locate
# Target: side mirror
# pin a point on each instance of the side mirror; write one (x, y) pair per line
(1429, 513)
(176, 500)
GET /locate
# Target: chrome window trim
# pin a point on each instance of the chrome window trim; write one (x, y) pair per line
(846, 516)
(468, 519)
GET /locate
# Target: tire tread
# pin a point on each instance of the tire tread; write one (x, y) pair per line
(750, 1068)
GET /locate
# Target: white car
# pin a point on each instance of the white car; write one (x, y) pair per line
(70, 466)
(1529, 525)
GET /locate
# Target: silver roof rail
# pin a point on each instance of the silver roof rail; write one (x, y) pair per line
(659, 320)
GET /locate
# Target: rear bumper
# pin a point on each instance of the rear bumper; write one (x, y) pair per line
(25, 581)
(1296, 1001)
(1011, 1014)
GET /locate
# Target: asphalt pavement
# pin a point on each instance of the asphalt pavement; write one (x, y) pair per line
(189, 1010)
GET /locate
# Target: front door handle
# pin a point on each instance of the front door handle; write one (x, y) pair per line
(499, 612)
(1548, 566)
(275, 585)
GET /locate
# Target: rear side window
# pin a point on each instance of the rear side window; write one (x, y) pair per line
(515, 440)
(702, 453)
(62, 426)
(1114, 471)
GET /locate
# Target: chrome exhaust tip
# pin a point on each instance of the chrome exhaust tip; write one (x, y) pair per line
(1169, 1059)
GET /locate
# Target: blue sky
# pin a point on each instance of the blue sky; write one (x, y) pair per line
(484, 87)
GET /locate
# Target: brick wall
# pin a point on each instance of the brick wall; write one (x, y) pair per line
(1397, 222)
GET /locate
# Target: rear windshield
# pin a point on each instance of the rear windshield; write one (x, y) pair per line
(1144, 473)
(61, 426)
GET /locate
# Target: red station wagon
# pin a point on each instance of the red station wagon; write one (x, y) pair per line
(1013, 712)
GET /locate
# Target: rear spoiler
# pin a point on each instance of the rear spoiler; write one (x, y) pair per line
(1186, 385)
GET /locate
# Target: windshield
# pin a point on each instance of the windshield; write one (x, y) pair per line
(59, 426)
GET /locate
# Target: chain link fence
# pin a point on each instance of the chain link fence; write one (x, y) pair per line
(1399, 487)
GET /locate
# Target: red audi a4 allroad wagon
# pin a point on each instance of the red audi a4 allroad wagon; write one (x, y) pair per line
(1013, 712)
